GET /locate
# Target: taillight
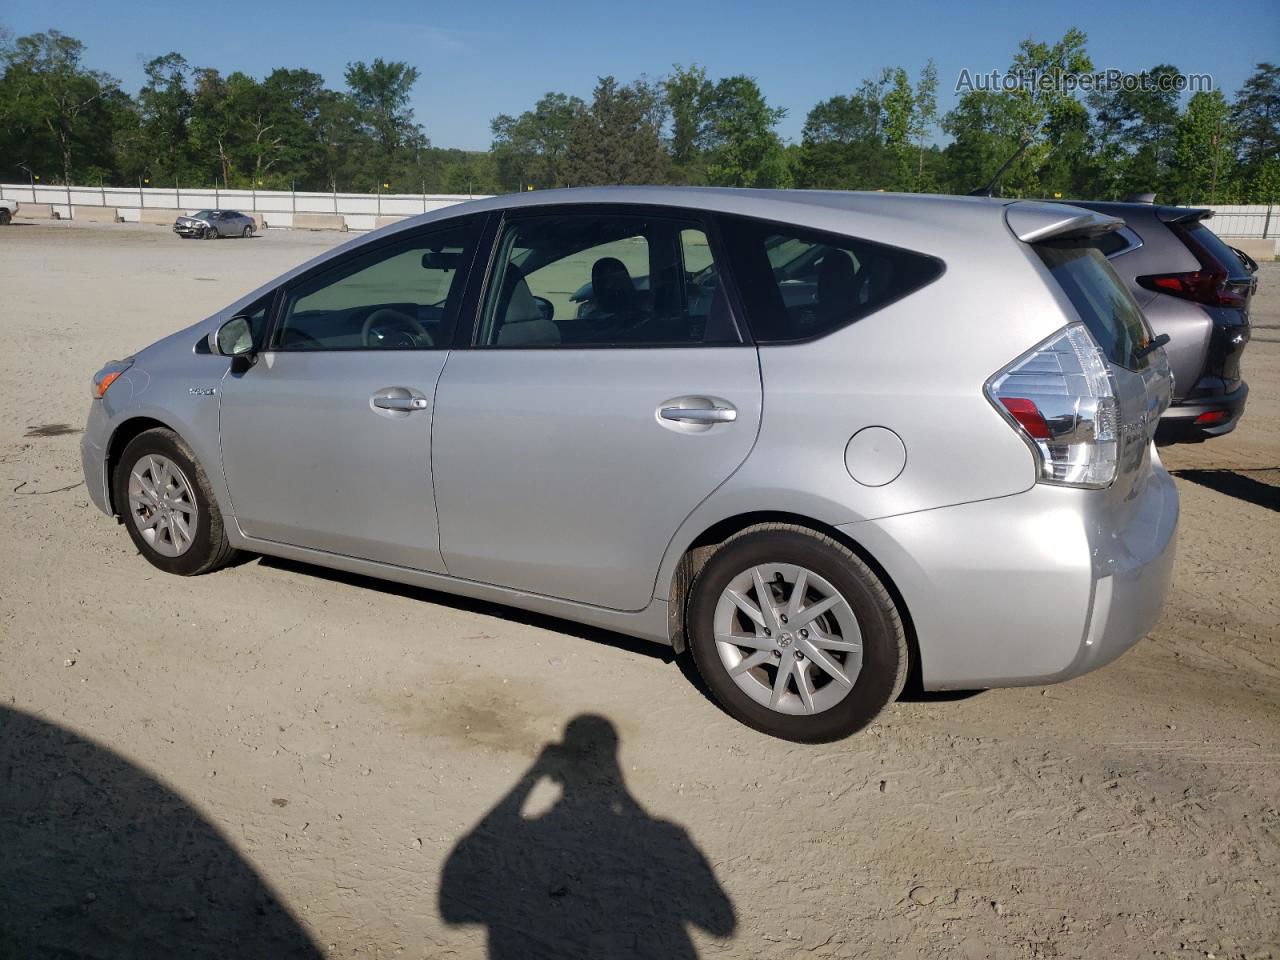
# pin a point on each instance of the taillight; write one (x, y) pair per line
(1061, 398)
(1209, 287)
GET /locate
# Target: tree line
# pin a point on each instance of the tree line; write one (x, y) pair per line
(61, 121)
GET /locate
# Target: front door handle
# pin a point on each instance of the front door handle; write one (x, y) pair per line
(699, 414)
(407, 404)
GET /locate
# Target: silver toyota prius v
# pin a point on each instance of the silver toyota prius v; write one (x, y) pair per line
(817, 440)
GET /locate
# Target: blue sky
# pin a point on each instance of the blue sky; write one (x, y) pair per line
(500, 56)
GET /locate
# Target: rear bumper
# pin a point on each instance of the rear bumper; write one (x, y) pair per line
(1035, 588)
(1222, 413)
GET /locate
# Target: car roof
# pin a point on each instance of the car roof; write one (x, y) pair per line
(953, 228)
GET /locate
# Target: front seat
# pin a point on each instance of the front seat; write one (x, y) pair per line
(520, 320)
(613, 292)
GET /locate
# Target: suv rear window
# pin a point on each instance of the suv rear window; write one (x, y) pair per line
(799, 284)
(1201, 234)
(1103, 302)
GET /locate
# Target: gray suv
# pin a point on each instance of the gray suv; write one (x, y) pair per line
(815, 439)
(1196, 289)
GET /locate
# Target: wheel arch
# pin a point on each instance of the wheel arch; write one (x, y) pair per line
(700, 549)
(124, 432)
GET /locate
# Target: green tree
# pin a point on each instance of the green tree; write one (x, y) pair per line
(617, 138)
(164, 104)
(1136, 130)
(841, 146)
(690, 98)
(381, 93)
(1204, 158)
(1256, 115)
(59, 104)
(744, 150)
(533, 148)
(989, 125)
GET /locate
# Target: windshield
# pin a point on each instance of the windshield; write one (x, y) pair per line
(202, 215)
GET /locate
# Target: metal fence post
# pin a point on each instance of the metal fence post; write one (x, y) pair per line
(1266, 224)
(103, 190)
(177, 192)
(293, 196)
(142, 200)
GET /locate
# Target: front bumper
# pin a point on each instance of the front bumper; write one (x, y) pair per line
(93, 457)
(189, 229)
(1222, 413)
(1034, 588)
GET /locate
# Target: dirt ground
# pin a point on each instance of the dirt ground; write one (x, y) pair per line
(275, 760)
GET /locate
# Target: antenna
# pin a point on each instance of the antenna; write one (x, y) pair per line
(990, 189)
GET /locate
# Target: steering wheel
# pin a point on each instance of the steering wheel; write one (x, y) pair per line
(386, 327)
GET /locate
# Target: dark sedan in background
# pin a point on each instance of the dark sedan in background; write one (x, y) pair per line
(211, 224)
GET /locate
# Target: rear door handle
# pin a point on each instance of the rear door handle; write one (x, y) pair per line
(699, 414)
(407, 404)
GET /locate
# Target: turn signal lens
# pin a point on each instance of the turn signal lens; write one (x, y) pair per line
(107, 376)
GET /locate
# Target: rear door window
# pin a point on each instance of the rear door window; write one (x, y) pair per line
(1102, 301)
(607, 280)
(798, 284)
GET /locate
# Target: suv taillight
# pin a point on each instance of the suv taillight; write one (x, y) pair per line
(1209, 285)
(1062, 399)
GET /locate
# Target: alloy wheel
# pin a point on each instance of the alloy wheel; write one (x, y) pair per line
(162, 505)
(788, 638)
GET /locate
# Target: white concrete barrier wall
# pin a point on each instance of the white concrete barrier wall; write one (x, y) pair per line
(360, 210)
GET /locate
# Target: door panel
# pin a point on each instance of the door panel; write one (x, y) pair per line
(556, 471)
(311, 460)
(326, 440)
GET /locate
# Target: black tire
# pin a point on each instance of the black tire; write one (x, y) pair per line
(884, 645)
(210, 233)
(248, 232)
(209, 548)
(6, 218)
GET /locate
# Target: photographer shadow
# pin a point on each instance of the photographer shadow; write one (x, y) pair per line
(593, 876)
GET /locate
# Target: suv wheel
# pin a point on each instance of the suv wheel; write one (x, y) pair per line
(163, 494)
(795, 635)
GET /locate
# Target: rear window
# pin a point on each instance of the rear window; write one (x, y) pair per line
(798, 284)
(1202, 235)
(1103, 302)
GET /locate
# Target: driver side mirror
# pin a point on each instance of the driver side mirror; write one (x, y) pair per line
(234, 339)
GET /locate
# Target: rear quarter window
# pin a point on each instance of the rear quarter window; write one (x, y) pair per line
(798, 284)
(1100, 298)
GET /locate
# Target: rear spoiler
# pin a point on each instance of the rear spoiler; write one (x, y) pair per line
(1034, 222)
(1183, 214)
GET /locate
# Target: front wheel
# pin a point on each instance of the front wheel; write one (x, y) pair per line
(6, 217)
(163, 494)
(795, 635)
(210, 233)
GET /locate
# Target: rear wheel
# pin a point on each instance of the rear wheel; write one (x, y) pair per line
(6, 217)
(248, 232)
(795, 635)
(163, 494)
